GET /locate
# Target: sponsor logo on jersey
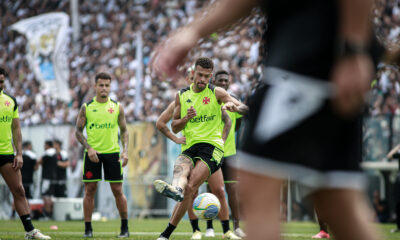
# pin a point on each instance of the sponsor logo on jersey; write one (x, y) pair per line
(101, 125)
(202, 118)
(5, 119)
(206, 100)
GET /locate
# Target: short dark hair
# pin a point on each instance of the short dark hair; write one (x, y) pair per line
(204, 63)
(221, 72)
(26, 143)
(102, 75)
(3, 72)
(58, 142)
(49, 143)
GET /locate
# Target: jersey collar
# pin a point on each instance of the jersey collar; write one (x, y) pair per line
(108, 99)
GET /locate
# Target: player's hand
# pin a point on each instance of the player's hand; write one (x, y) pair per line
(191, 113)
(230, 106)
(93, 155)
(351, 76)
(181, 140)
(18, 162)
(170, 54)
(124, 159)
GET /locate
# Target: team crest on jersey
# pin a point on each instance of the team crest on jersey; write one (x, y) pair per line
(110, 110)
(7, 103)
(206, 100)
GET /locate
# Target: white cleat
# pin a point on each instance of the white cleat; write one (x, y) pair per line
(230, 235)
(210, 232)
(162, 238)
(196, 235)
(35, 234)
(168, 190)
(239, 232)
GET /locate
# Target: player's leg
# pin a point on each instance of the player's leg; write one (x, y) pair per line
(210, 227)
(121, 202)
(354, 215)
(113, 173)
(182, 168)
(197, 176)
(323, 228)
(194, 221)
(91, 175)
(13, 180)
(262, 197)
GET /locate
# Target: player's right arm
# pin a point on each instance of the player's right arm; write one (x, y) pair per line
(161, 124)
(80, 125)
(179, 123)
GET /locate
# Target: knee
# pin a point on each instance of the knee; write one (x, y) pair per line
(219, 192)
(90, 190)
(117, 192)
(18, 191)
(190, 190)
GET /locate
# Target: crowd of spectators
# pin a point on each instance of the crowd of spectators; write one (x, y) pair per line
(108, 32)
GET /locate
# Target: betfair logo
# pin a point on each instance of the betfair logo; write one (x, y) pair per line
(101, 125)
(5, 119)
(202, 118)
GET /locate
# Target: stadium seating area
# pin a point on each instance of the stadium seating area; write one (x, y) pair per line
(108, 32)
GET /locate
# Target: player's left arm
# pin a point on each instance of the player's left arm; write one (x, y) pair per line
(124, 136)
(17, 139)
(231, 104)
(228, 124)
(65, 163)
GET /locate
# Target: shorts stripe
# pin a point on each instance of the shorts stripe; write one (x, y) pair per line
(93, 180)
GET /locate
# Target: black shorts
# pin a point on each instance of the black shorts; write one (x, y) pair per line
(228, 172)
(28, 192)
(60, 188)
(293, 131)
(111, 165)
(47, 187)
(7, 158)
(207, 153)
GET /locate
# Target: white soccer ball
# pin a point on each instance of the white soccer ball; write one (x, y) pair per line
(206, 206)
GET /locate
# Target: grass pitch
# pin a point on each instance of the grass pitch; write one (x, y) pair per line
(151, 228)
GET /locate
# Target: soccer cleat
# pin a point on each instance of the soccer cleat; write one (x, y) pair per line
(88, 234)
(210, 232)
(35, 234)
(196, 235)
(239, 232)
(395, 230)
(321, 234)
(162, 238)
(124, 234)
(168, 190)
(230, 235)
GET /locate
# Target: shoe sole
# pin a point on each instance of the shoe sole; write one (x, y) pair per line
(166, 190)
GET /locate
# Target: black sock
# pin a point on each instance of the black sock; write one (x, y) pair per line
(27, 222)
(195, 224)
(124, 225)
(168, 231)
(210, 224)
(225, 225)
(88, 226)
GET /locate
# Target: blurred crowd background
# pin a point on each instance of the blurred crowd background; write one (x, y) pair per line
(107, 43)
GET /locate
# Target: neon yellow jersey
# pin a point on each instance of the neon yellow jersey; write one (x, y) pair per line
(230, 143)
(102, 125)
(206, 126)
(8, 111)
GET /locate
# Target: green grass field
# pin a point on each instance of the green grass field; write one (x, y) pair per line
(151, 228)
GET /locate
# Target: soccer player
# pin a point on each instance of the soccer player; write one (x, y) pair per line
(11, 164)
(216, 179)
(198, 112)
(60, 187)
(304, 122)
(49, 171)
(102, 116)
(223, 79)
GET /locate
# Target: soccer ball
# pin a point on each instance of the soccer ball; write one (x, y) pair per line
(206, 206)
